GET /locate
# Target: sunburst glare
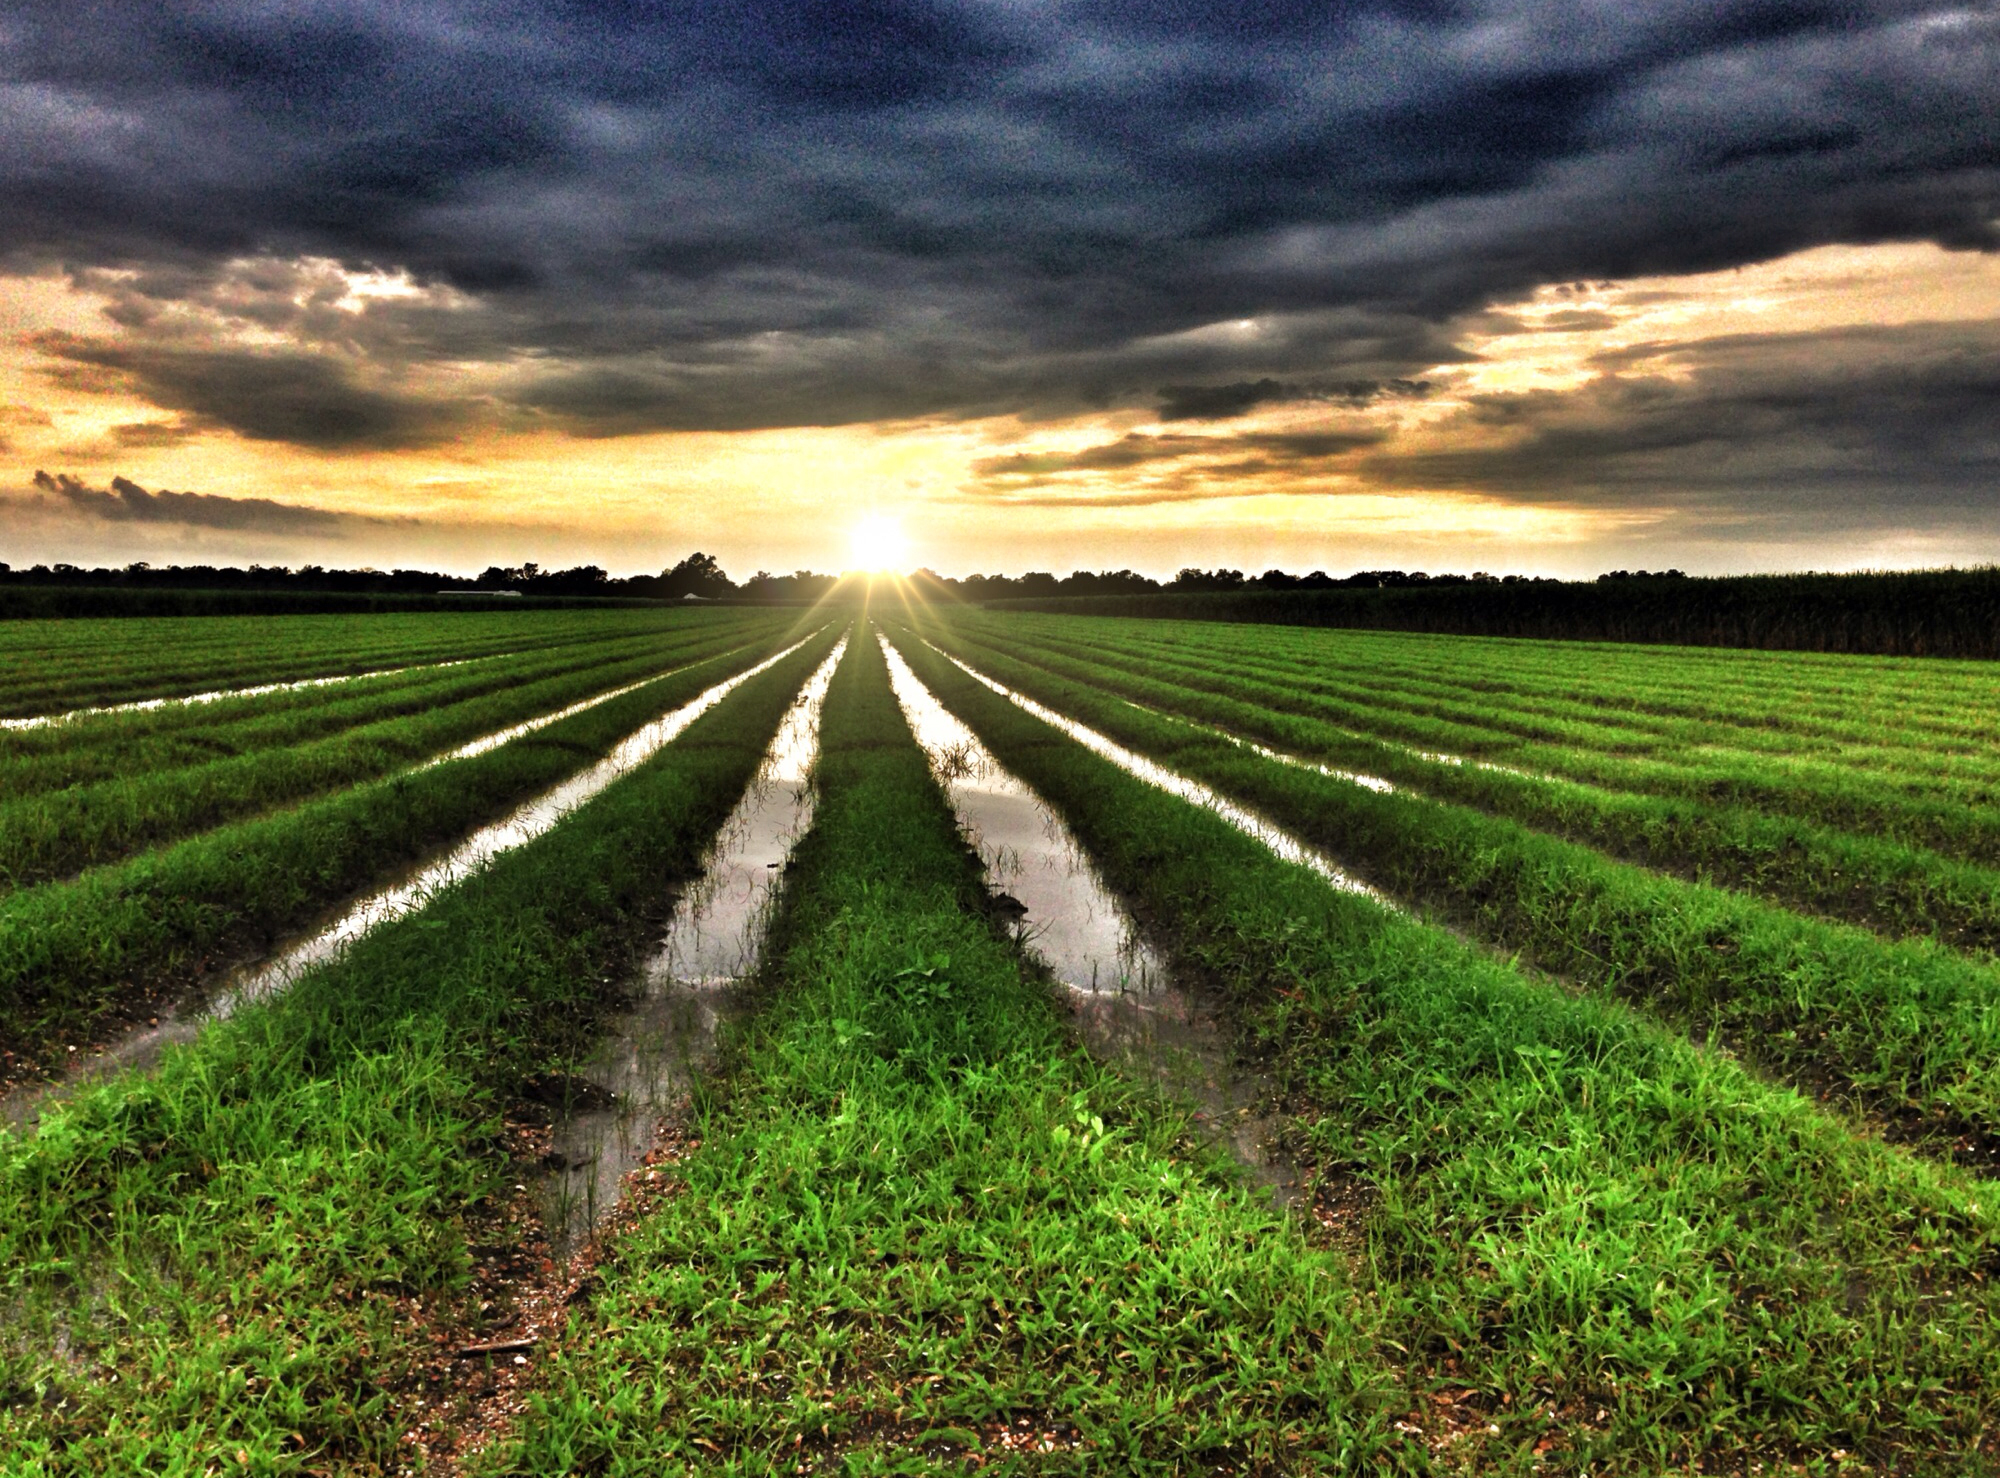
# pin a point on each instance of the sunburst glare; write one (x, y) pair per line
(878, 545)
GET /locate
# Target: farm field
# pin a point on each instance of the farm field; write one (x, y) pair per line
(50, 667)
(896, 1039)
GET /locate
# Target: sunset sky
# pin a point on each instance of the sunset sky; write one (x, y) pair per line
(1522, 287)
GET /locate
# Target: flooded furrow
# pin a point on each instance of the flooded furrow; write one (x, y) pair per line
(1287, 847)
(147, 705)
(610, 1107)
(141, 1047)
(1129, 1007)
(1353, 777)
(486, 743)
(1259, 828)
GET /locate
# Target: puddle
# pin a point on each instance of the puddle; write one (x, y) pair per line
(147, 705)
(650, 1054)
(488, 742)
(526, 823)
(1287, 847)
(1072, 923)
(1128, 1007)
(142, 1048)
(1353, 777)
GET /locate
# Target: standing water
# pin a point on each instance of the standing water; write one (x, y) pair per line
(471, 855)
(649, 1056)
(1128, 1007)
(1287, 847)
(141, 1047)
(148, 705)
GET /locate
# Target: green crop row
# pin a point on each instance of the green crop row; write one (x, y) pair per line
(53, 666)
(1908, 1028)
(923, 1231)
(1631, 1254)
(1884, 885)
(56, 834)
(1930, 704)
(1496, 719)
(1947, 816)
(236, 1263)
(136, 741)
(72, 953)
(1474, 723)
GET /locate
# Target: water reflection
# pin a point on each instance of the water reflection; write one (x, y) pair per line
(1287, 847)
(141, 1047)
(486, 743)
(648, 1058)
(527, 822)
(147, 705)
(1129, 1007)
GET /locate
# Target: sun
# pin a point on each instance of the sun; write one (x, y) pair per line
(879, 546)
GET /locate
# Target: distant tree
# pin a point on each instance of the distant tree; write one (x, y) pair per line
(1193, 580)
(1109, 582)
(698, 574)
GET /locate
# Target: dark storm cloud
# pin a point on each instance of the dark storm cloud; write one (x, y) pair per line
(1898, 419)
(1220, 402)
(757, 214)
(139, 435)
(126, 502)
(1257, 451)
(305, 399)
(1217, 402)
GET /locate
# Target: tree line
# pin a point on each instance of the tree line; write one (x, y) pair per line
(699, 576)
(702, 577)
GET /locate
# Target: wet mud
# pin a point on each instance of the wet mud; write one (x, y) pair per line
(1129, 1007)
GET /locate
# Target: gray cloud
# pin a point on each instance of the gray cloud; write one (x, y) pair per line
(136, 435)
(776, 213)
(1899, 420)
(1218, 402)
(1252, 453)
(306, 399)
(1221, 402)
(127, 502)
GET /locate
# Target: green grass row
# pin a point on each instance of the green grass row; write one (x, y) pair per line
(74, 953)
(58, 833)
(219, 1267)
(1474, 721)
(1631, 1254)
(1910, 1029)
(1954, 817)
(1696, 682)
(1884, 885)
(137, 741)
(55, 666)
(921, 1221)
(1607, 696)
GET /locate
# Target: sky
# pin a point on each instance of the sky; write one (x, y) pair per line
(1523, 287)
